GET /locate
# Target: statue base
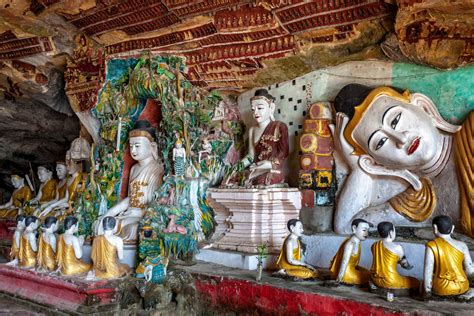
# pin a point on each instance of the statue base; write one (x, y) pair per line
(70, 295)
(247, 218)
(238, 260)
(129, 254)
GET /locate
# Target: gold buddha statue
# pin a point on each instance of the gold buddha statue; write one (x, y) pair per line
(20, 196)
(47, 190)
(69, 250)
(345, 264)
(445, 262)
(46, 259)
(386, 255)
(28, 245)
(107, 250)
(15, 249)
(289, 262)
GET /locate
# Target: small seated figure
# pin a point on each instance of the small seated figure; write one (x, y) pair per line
(386, 254)
(107, 251)
(20, 196)
(47, 245)
(446, 262)
(206, 149)
(69, 250)
(289, 262)
(15, 249)
(179, 158)
(47, 190)
(344, 266)
(28, 244)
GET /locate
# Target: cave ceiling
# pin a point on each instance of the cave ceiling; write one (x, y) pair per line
(228, 44)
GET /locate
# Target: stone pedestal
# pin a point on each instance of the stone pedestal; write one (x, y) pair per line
(247, 218)
(238, 260)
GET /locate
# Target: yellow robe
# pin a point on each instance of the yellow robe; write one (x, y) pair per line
(73, 187)
(106, 263)
(62, 190)
(449, 277)
(67, 261)
(19, 197)
(26, 255)
(46, 257)
(384, 270)
(48, 192)
(14, 250)
(291, 270)
(354, 274)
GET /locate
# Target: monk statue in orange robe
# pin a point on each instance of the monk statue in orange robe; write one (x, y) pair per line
(345, 264)
(15, 249)
(28, 244)
(46, 259)
(20, 196)
(386, 255)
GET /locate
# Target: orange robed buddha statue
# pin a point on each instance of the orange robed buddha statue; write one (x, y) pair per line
(46, 259)
(15, 249)
(69, 250)
(107, 250)
(20, 196)
(46, 192)
(345, 264)
(289, 262)
(386, 255)
(28, 245)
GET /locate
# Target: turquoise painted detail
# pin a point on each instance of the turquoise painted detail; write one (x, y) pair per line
(116, 68)
(451, 91)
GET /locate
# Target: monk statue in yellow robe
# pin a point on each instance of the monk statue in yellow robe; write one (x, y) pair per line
(69, 252)
(47, 190)
(146, 177)
(448, 263)
(107, 251)
(28, 244)
(15, 249)
(20, 196)
(61, 188)
(386, 255)
(66, 193)
(290, 261)
(46, 259)
(344, 266)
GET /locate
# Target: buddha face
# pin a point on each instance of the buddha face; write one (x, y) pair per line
(298, 229)
(262, 110)
(17, 182)
(361, 231)
(72, 167)
(397, 134)
(140, 148)
(44, 174)
(61, 171)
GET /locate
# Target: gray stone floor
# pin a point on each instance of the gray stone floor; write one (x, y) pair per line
(11, 307)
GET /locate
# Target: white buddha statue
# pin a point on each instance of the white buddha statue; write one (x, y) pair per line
(145, 177)
(397, 150)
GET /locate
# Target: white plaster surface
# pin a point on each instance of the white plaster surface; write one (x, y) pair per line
(129, 254)
(235, 259)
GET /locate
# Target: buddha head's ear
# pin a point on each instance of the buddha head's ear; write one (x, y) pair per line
(368, 164)
(428, 106)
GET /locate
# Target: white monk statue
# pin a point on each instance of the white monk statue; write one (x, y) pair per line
(145, 177)
(398, 153)
(15, 249)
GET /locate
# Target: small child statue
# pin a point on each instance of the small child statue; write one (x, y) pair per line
(107, 251)
(47, 245)
(386, 255)
(447, 263)
(289, 262)
(70, 250)
(28, 245)
(345, 264)
(179, 158)
(15, 249)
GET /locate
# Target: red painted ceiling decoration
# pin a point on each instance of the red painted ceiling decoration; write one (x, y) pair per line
(12, 47)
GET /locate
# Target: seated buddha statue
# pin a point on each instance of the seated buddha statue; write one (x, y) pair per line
(268, 144)
(344, 266)
(69, 250)
(386, 255)
(107, 251)
(20, 196)
(47, 190)
(66, 192)
(145, 177)
(46, 258)
(61, 187)
(28, 244)
(289, 262)
(15, 249)
(448, 263)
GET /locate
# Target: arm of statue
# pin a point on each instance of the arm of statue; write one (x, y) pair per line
(290, 245)
(118, 208)
(8, 204)
(32, 240)
(77, 245)
(345, 261)
(428, 272)
(17, 238)
(403, 261)
(468, 266)
(119, 246)
(52, 241)
(56, 204)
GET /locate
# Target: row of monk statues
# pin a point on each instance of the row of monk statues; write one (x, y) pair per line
(63, 254)
(447, 269)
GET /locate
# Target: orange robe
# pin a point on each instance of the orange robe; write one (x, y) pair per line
(354, 274)
(291, 270)
(67, 261)
(26, 255)
(106, 263)
(46, 257)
